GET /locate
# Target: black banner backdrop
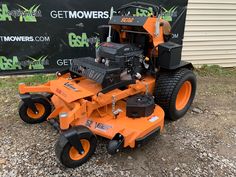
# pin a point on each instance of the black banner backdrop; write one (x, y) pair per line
(41, 36)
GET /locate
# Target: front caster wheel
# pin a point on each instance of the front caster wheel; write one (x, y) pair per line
(68, 155)
(43, 107)
(116, 144)
(113, 147)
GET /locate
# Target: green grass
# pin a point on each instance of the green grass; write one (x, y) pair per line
(14, 81)
(205, 70)
(216, 71)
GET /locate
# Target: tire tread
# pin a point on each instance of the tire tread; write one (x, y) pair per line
(165, 86)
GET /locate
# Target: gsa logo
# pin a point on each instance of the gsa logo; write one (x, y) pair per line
(23, 14)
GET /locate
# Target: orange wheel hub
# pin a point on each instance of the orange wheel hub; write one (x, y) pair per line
(41, 111)
(183, 95)
(75, 155)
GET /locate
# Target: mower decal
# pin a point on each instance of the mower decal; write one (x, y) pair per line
(127, 20)
(61, 92)
(102, 127)
(130, 21)
(94, 75)
(69, 91)
(70, 86)
(98, 126)
(153, 119)
(107, 44)
(89, 123)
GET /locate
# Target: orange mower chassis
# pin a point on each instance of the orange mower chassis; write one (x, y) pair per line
(82, 104)
(123, 95)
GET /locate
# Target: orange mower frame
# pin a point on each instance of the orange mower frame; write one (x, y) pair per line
(122, 95)
(99, 108)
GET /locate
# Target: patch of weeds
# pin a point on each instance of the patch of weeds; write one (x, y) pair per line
(216, 71)
(14, 81)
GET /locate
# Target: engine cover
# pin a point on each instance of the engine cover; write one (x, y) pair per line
(111, 50)
(118, 54)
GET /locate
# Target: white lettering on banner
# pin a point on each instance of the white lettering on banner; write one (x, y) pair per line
(53, 14)
(60, 14)
(79, 14)
(64, 62)
(72, 14)
(24, 39)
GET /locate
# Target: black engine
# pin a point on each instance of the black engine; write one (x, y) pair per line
(116, 65)
(125, 56)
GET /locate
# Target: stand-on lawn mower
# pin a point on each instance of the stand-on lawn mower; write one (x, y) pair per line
(123, 94)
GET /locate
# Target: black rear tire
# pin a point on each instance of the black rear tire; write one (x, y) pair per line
(168, 85)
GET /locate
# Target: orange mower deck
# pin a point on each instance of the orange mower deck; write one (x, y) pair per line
(96, 114)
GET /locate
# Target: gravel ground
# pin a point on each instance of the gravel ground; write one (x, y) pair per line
(203, 143)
